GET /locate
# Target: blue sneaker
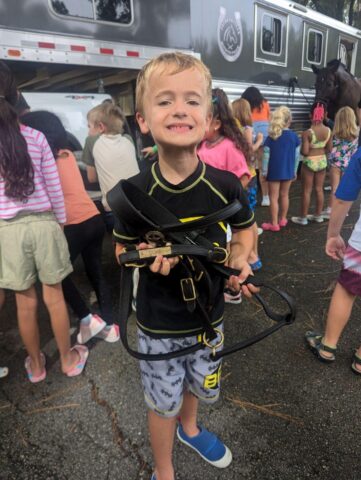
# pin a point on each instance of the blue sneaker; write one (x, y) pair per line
(208, 446)
(153, 477)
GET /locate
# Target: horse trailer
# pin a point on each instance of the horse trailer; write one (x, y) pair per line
(99, 46)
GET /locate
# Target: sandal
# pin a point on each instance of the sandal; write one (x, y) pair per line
(356, 361)
(314, 342)
(35, 378)
(83, 353)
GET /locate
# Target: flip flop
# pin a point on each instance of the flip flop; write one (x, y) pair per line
(83, 353)
(35, 378)
(356, 361)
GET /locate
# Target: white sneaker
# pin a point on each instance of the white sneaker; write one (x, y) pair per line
(326, 213)
(259, 231)
(90, 329)
(265, 201)
(315, 218)
(299, 220)
(3, 371)
(232, 297)
(109, 334)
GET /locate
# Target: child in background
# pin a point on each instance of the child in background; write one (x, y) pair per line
(348, 285)
(279, 166)
(108, 153)
(344, 145)
(173, 97)
(316, 143)
(224, 147)
(32, 244)
(84, 231)
(261, 114)
(242, 115)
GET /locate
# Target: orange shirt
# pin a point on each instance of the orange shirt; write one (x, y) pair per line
(78, 205)
(262, 115)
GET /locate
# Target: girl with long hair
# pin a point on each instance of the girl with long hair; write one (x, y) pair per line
(225, 147)
(279, 166)
(261, 114)
(344, 145)
(32, 244)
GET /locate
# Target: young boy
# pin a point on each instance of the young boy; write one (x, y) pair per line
(108, 153)
(174, 103)
(348, 285)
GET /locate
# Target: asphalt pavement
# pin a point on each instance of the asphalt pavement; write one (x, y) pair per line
(283, 414)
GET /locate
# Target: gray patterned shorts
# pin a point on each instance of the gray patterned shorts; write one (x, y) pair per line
(165, 381)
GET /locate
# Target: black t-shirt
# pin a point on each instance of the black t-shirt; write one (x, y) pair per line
(161, 310)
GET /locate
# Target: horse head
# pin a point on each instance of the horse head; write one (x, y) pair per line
(336, 87)
(327, 82)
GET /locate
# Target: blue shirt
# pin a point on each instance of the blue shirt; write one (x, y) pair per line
(282, 156)
(348, 191)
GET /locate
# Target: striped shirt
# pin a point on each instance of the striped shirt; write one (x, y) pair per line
(48, 195)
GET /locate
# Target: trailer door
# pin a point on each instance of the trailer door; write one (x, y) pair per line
(347, 51)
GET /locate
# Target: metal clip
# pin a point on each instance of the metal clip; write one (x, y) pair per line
(155, 238)
(225, 253)
(217, 345)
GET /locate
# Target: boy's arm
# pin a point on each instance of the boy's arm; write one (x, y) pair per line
(335, 245)
(88, 158)
(240, 249)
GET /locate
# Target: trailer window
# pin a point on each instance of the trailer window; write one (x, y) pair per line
(114, 11)
(315, 45)
(271, 34)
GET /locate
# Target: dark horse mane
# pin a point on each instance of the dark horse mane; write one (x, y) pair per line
(337, 87)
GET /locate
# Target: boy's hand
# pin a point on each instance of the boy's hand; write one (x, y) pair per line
(162, 265)
(335, 247)
(259, 136)
(235, 283)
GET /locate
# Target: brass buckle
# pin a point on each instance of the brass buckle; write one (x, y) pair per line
(185, 283)
(225, 252)
(217, 345)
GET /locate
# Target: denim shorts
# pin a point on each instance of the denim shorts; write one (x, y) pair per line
(165, 381)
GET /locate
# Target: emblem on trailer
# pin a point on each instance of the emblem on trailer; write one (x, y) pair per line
(230, 38)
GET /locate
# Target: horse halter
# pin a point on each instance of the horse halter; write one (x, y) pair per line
(198, 256)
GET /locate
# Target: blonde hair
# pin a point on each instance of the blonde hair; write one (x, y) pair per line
(345, 126)
(172, 63)
(242, 112)
(279, 121)
(110, 115)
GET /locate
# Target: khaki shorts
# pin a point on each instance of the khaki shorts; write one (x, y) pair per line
(32, 246)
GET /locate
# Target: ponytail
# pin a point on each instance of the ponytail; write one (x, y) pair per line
(16, 168)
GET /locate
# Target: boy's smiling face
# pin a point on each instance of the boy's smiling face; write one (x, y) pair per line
(176, 109)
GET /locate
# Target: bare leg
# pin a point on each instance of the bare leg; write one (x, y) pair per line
(254, 254)
(26, 303)
(188, 414)
(307, 182)
(338, 315)
(335, 177)
(55, 303)
(284, 198)
(162, 432)
(274, 191)
(262, 181)
(319, 181)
